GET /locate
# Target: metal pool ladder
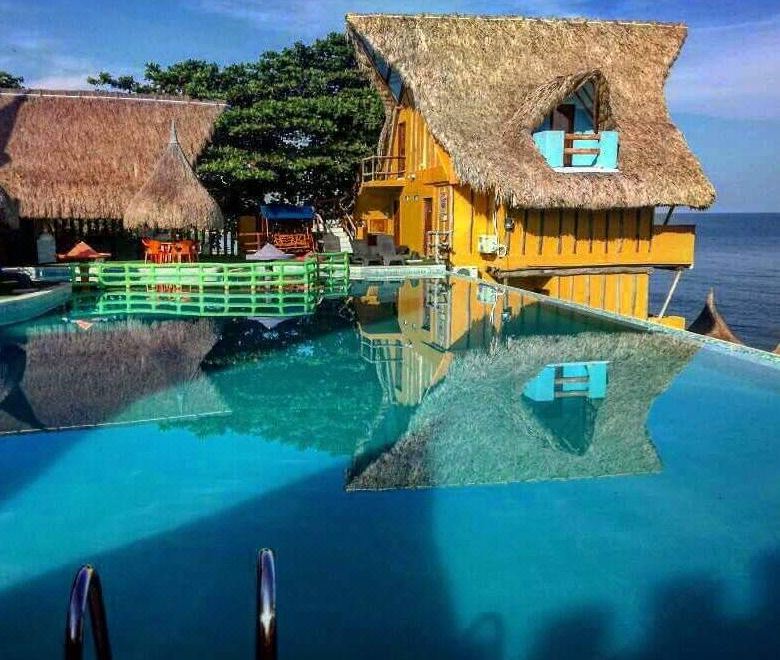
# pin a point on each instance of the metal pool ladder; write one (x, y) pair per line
(87, 592)
(265, 618)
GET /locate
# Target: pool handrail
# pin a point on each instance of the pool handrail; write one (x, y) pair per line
(86, 590)
(265, 619)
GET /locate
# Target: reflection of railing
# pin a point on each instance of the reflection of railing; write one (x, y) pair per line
(195, 303)
(382, 168)
(377, 351)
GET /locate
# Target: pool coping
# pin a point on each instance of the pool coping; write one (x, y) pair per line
(755, 355)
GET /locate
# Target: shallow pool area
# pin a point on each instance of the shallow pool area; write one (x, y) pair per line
(444, 468)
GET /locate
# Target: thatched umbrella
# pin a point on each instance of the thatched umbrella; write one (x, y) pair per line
(710, 323)
(173, 197)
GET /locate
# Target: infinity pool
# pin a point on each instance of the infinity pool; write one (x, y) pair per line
(444, 469)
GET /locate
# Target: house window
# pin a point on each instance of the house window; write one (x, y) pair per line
(573, 137)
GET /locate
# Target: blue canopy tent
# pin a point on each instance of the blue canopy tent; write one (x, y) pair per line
(288, 227)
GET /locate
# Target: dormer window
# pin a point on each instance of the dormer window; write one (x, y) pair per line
(572, 137)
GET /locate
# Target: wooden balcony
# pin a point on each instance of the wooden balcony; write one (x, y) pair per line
(383, 170)
(572, 240)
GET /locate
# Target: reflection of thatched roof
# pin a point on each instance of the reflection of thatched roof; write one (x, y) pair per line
(173, 197)
(483, 84)
(123, 372)
(710, 323)
(476, 427)
(85, 154)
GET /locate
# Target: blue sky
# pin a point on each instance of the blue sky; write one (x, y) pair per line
(724, 91)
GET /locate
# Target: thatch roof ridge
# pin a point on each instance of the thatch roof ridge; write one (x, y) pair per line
(103, 94)
(84, 155)
(516, 17)
(173, 197)
(469, 94)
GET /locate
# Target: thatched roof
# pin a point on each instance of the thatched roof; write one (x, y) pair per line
(476, 427)
(173, 197)
(483, 84)
(69, 378)
(85, 154)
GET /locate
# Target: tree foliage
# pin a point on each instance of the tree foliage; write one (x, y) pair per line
(298, 120)
(9, 81)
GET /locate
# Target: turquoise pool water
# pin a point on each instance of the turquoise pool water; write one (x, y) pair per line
(420, 504)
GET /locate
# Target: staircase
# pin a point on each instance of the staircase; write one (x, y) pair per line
(339, 232)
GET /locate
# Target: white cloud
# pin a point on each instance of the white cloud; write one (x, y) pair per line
(729, 71)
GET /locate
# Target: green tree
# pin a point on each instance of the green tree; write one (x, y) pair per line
(298, 120)
(10, 81)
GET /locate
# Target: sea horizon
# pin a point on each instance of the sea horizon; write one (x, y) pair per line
(736, 255)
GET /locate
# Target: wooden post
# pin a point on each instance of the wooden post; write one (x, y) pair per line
(669, 295)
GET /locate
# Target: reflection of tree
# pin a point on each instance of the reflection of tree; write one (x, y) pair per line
(302, 382)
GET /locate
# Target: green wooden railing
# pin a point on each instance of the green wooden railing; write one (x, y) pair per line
(327, 271)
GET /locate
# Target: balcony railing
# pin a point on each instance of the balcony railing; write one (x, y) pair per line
(579, 151)
(383, 168)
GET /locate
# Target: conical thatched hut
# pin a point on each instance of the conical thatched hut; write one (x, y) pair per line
(477, 427)
(535, 150)
(173, 197)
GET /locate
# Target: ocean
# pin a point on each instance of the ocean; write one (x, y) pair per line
(737, 254)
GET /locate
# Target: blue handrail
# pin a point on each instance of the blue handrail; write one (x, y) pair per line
(86, 590)
(265, 620)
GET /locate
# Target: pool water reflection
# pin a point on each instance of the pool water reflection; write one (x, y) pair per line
(165, 451)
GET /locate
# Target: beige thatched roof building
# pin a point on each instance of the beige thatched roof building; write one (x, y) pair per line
(173, 197)
(483, 84)
(84, 155)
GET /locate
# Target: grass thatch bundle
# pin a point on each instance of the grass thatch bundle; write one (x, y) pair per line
(483, 84)
(85, 154)
(477, 427)
(173, 197)
(124, 371)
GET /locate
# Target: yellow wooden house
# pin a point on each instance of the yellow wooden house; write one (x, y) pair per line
(536, 152)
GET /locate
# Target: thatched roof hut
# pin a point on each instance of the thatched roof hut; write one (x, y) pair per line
(484, 84)
(155, 376)
(173, 197)
(476, 427)
(84, 155)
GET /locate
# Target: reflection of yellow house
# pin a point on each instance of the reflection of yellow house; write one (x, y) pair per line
(480, 425)
(534, 151)
(411, 337)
